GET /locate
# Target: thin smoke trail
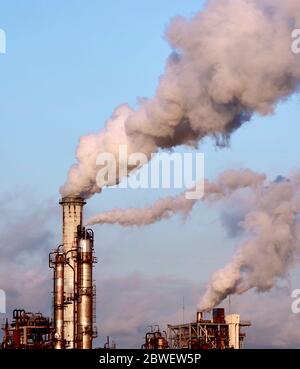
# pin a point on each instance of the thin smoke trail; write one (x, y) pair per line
(165, 208)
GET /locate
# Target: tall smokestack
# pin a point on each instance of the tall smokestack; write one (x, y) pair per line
(72, 220)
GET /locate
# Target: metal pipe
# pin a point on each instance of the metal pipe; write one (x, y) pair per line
(85, 289)
(75, 293)
(199, 316)
(57, 262)
(59, 301)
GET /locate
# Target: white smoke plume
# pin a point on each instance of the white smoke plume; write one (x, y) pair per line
(225, 185)
(272, 246)
(231, 60)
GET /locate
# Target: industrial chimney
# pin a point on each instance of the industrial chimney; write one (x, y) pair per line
(73, 288)
(72, 220)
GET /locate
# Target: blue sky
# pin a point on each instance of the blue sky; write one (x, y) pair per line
(67, 66)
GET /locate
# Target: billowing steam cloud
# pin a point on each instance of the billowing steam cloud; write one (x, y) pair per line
(271, 229)
(228, 62)
(165, 208)
(272, 246)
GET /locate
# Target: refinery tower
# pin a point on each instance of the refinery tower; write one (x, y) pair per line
(73, 288)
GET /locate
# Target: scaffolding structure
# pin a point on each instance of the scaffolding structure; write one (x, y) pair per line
(217, 333)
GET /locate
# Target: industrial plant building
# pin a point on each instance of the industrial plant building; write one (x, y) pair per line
(221, 332)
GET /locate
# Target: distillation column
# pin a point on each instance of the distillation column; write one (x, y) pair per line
(57, 261)
(85, 290)
(72, 221)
